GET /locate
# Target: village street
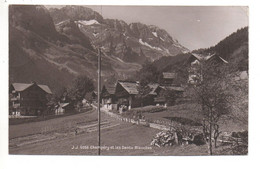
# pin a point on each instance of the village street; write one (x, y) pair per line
(61, 138)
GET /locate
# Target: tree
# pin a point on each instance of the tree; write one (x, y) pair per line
(148, 74)
(81, 85)
(111, 80)
(62, 95)
(143, 91)
(212, 93)
(239, 102)
(171, 96)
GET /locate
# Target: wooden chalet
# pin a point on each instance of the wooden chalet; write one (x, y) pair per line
(194, 62)
(62, 108)
(153, 87)
(161, 100)
(108, 97)
(125, 93)
(90, 97)
(94, 95)
(28, 99)
(149, 99)
(196, 58)
(169, 78)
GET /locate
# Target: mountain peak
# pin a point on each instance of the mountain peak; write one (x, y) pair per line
(74, 13)
(64, 42)
(119, 39)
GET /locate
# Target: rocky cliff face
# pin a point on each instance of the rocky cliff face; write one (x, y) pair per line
(135, 42)
(53, 46)
(74, 13)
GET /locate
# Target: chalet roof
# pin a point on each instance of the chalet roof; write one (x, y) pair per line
(169, 75)
(153, 87)
(94, 93)
(223, 60)
(45, 88)
(64, 104)
(22, 86)
(111, 89)
(208, 57)
(200, 56)
(130, 87)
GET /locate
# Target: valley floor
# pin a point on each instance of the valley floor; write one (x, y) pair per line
(77, 135)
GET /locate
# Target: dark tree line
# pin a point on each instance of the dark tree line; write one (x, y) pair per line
(74, 93)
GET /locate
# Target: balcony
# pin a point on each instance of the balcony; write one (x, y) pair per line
(16, 105)
(159, 99)
(15, 98)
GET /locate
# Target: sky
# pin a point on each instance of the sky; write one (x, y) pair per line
(193, 26)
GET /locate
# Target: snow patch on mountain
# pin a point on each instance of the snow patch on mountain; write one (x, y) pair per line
(87, 23)
(162, 39)
(155, 34)
(185, 51)
(95, 34)
(177, 45)
(60, 23)
(167, 51)
(148, 45)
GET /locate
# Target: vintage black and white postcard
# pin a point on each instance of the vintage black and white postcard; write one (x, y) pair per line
(128, 80)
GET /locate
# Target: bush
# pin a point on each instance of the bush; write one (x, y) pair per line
(240, 150)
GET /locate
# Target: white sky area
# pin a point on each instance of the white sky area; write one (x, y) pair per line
(193, 26)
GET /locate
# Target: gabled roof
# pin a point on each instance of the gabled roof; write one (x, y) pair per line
(22, 86)
(108, 90)
(223, 60)
(153, 87)
(111, 89)
(94, 92)
(169, 75)
(201, 57)
(64, 104)
(45, 88)
(210, 56)
(130, 87)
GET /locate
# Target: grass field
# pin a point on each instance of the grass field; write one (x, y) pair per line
(186, 114)
(125, 138)
(61, 123)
